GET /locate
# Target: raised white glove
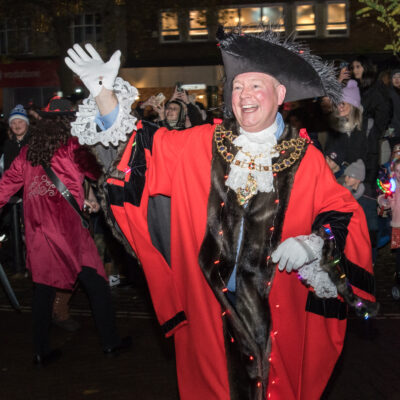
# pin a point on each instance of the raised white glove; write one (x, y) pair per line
(91, 69)
(295, 252)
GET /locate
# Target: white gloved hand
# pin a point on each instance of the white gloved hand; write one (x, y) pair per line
(91, 69)
(293, 253)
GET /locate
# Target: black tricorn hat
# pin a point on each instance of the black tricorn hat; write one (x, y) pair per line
(304, 75)
(57, 106)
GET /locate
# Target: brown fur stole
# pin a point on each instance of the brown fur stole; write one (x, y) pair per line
(247, 323)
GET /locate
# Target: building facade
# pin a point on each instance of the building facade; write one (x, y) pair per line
(164, 42)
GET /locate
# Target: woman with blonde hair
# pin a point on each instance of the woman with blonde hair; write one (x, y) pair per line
(348, 129)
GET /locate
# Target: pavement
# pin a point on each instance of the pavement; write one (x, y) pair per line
(367, 369)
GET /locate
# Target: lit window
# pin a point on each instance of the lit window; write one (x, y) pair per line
(229, 17)
(169, 26)
(198, 25)
(87, 28)
(305, 20)
(274, 15)
(336, 19)
(250, 19)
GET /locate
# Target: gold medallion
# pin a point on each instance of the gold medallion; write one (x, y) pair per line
(244, 195)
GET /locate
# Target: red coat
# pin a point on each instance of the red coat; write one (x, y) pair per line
(305, 345)
(57, 245)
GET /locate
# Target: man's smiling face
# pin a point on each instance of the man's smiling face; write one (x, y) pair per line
(255, 100)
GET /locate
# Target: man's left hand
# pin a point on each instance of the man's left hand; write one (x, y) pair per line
(293, 253)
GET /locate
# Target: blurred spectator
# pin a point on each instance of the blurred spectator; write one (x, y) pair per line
(354, 176)
(393, 202)
(385, 77)
(348, 129)
(174, 116)
(12, 217)
(344, 73)
(384, 175)
(394, 92)
(334, 158)
(19, 127)
(178, 113)
(376, 108)
(298, 119)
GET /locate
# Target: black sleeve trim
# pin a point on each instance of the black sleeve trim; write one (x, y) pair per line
(115, 195)
(173, 322)
(338, 222)
(137, 163)
(328, 308)
(358, 276)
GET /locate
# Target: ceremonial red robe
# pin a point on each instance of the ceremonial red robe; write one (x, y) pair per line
(305, 343)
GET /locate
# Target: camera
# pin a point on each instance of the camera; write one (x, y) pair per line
(344, 64)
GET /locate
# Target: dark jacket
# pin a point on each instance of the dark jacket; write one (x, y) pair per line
(353, 146)
(377, 106)
(11, 149)
(395, 122)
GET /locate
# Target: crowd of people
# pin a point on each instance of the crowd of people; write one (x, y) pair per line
(208, 206)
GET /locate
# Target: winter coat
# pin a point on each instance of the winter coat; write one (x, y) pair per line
(12, 147)
(377, 108)
(57, 244)
(395, 122)
(352, 146)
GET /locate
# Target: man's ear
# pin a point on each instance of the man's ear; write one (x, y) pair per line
(281, 91)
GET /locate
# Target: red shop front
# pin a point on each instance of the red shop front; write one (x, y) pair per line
(26, 82)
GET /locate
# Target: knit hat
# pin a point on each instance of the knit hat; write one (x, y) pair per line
(304, 75)
(336, 157)
(335, 152)
(18, 112)
(356, 170)
(351, 94)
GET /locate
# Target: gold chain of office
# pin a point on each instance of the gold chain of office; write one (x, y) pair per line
(297, 144)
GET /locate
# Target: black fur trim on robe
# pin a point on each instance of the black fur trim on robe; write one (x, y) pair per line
(132, 191)
(247, 324)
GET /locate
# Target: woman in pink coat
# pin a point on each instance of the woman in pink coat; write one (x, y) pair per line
(59, 249)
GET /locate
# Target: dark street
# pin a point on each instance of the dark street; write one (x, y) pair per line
(368, 368)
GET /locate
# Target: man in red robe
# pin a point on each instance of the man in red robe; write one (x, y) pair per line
(250, 247)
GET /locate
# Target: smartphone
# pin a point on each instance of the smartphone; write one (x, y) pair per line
(179, 86)
(160, 98)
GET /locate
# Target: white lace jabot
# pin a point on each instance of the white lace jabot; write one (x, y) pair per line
(257, 147)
